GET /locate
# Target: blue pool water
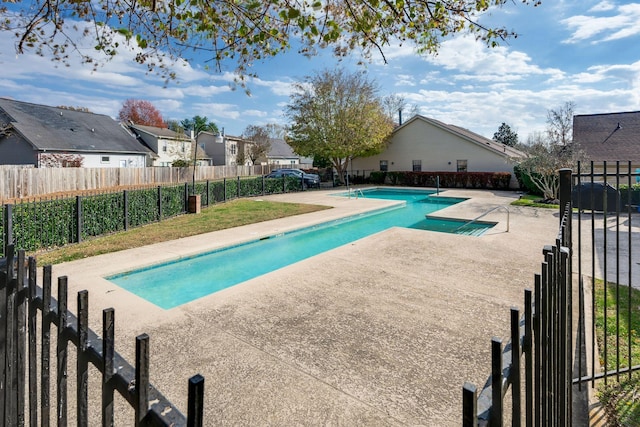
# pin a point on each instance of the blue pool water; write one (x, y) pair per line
(178, 282)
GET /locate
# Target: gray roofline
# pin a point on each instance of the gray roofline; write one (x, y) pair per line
(482, 141)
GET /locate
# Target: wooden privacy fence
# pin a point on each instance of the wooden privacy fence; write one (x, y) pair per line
(543, 337)
(18, 182)
(25, 355)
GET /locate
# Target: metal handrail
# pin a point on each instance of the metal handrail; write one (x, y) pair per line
(355, 191)
(484, 214)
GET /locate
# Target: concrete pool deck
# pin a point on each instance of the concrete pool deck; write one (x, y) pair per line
(382, 331)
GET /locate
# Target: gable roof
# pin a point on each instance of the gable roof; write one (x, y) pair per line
(160, 132)
(612, 136)
(279, 149)
(59, 129)
(489, 144)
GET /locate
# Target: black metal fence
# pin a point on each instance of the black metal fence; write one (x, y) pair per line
(540, 346)
(26, 353)
(59, 221)
(608, 240)
(601, 204)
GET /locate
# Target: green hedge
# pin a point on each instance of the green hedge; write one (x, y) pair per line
(630, 195)
(493, 180)
(51, 223)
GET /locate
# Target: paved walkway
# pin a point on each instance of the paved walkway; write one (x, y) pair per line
(383, 331)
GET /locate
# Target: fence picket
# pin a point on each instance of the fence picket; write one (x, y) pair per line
(11, 371)
(45, 375)
(62, 354)
(515, 367)
(108, 346)
(82, 371)
(33, 362)
(21, 329)
(142, 378)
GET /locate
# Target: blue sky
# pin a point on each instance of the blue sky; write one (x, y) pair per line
(583, 51)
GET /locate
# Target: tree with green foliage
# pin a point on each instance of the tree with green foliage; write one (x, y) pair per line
(240, 32)
(198, 124)
(506, 136)
(338, 116)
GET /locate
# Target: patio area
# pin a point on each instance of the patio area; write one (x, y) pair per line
(383, 331)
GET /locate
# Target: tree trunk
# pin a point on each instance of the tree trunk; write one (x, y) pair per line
(341, 166)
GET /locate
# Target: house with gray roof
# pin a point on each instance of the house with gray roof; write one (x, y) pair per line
(424, 144)
(609, 137)
(281, 155)
(41, 136)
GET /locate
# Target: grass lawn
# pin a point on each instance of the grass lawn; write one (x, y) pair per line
(532, 201)
(213, 218)
(620, 399)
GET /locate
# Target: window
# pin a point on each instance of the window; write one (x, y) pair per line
(233, 148)
(293, 162)
(384, 165)
(183, 147)
(462, 165)
(417, 165)
(104, 159)
(164, 147)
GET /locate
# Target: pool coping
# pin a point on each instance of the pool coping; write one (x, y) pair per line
(265, 359)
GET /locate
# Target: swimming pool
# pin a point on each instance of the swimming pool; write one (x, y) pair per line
(178, 282)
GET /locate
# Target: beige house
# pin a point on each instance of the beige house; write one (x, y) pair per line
(424, 144)
(168, 146)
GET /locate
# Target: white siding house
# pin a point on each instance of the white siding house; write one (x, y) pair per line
(168, 146)
(45, 136)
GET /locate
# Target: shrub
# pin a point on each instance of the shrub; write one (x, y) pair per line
(377, 177)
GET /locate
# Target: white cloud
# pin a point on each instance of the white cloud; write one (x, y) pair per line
(277, 87)
(254, 113)
(623, 24)
(465, 54)
(405, 80)
(603, 7)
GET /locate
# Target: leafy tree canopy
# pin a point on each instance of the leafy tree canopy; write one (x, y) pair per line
(240, 31)
(141, 112)
(198, 124)
(337, 116)
(506, 136)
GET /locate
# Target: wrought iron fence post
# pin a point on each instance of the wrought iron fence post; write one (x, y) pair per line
(469, 405)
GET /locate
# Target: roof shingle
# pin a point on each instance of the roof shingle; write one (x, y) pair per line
(610, 137)
(59, 129)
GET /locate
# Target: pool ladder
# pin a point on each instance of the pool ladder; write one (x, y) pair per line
(356, 191)
(484, 214)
